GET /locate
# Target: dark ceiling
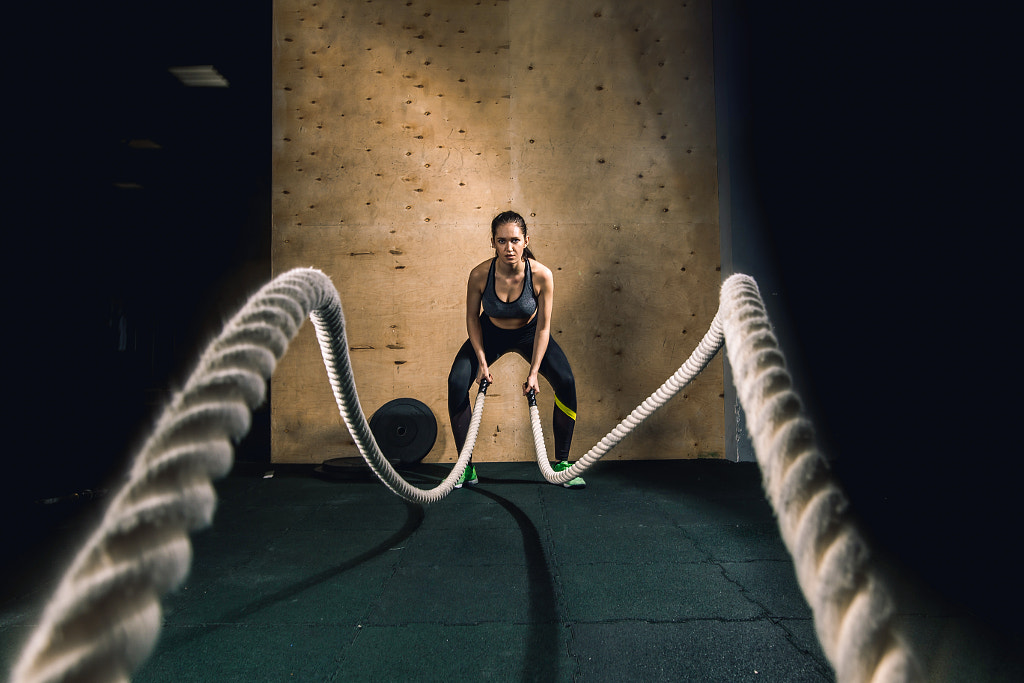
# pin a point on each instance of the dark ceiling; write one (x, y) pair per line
(135, 156)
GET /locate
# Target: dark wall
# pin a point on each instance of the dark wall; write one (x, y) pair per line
(868, 167)
(112, 290)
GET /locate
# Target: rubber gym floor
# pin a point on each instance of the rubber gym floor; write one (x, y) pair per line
(657, 571)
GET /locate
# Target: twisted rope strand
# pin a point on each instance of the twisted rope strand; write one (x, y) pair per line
(852, 605)
(330, 331)
(104, 617)
(698, 360)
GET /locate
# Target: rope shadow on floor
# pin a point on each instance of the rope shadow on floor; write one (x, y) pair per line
(543, 653)
(540, 662)
(414, 519)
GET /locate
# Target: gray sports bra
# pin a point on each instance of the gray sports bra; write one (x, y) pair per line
(523, 307)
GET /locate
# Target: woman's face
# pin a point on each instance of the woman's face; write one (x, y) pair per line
(509, 242)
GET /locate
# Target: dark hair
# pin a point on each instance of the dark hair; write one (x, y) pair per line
(514, 218)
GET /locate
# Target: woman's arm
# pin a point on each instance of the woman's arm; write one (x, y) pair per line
(474, 294)
(545, 285)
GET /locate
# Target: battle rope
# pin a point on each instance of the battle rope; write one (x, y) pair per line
(104, 617)
(850, 599)
(852, 607)
(697, 361)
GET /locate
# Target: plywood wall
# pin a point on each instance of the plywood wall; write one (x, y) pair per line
(402, 127)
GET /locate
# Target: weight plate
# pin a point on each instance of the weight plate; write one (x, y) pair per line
(405, 430)
(344, 468)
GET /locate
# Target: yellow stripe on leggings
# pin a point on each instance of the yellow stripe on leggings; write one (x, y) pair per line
(565, 409)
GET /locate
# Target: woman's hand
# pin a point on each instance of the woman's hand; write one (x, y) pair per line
(531, 383)
(484, 373)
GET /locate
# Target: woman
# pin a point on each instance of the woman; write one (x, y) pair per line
(515, 293)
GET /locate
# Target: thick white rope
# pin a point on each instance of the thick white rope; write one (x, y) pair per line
(850, 599)
(693, 366)
(330, 332)
(104, 617)
(852, 606)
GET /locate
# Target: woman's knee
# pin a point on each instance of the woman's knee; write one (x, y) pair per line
(565, 392)
(460, 379)
(559, 376)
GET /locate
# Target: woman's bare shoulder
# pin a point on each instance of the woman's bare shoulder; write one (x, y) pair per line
(483, 267)
(540, 271)
(479, 273)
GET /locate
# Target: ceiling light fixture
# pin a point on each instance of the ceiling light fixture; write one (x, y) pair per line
(199, 76)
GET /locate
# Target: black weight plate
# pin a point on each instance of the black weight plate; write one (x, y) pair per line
(344, 468)
(405, 430)
(342, 465)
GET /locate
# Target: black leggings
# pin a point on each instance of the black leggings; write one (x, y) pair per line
(554, 367)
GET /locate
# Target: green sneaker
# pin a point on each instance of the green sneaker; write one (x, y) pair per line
(576, 483)
(468, 477)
